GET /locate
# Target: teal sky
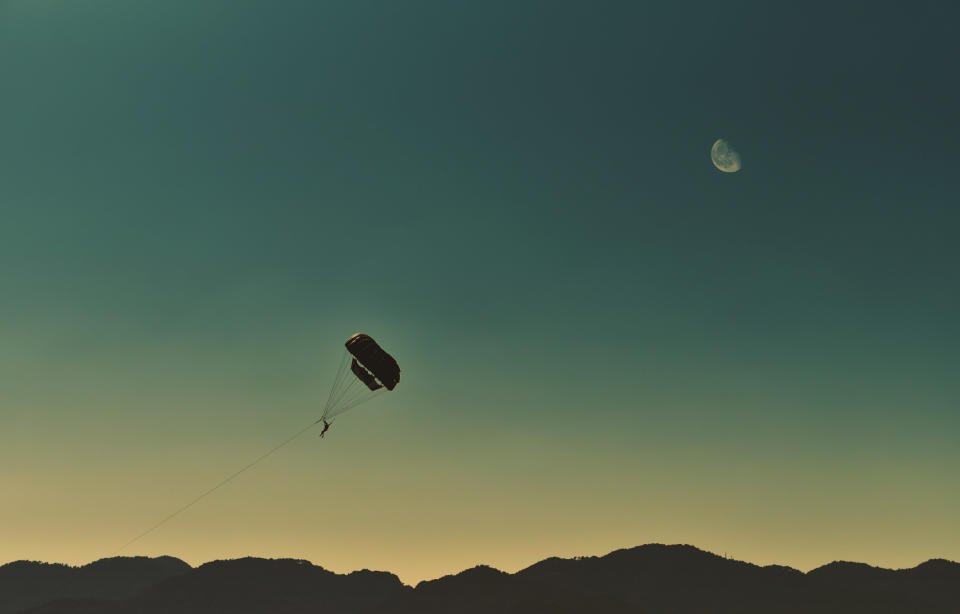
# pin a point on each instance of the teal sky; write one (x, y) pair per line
(604, 340)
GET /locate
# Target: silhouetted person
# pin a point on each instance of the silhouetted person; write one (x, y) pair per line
(326, 425)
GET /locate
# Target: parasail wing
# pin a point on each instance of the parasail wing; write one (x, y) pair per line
(374, 359)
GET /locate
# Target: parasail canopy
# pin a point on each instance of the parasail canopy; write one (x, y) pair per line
(365, 371)
(374, 359)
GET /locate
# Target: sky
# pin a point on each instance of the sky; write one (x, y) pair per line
(604, 341)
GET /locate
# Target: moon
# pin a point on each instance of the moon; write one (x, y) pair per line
(724, 157)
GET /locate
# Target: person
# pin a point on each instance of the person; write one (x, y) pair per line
(326, 425)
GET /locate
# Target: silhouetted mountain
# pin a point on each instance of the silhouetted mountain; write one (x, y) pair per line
(654, 578)
(484, 589)
(278, 586)
(24, 584)
(935, 569)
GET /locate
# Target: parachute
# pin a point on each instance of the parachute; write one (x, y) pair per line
(371, 371)
(370, 367)
(377, 362)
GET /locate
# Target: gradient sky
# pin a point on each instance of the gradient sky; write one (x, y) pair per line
(604, 340)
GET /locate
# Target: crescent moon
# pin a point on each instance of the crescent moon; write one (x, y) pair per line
(724, 157)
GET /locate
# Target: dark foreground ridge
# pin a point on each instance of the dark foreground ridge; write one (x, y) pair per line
(647, 579)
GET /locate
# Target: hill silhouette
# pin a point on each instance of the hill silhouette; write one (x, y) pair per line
(28, 583)
(646, 579)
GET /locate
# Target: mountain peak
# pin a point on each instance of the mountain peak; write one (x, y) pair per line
(936, 569)
(846, 571)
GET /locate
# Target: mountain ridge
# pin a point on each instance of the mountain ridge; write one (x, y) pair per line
(649, 578)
